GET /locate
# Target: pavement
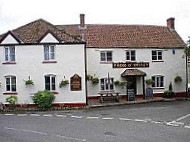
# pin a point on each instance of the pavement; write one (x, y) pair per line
(97, 103)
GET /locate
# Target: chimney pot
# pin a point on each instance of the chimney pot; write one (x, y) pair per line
(82, 21)
(171, 23)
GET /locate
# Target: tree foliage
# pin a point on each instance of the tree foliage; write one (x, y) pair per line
(43, 99)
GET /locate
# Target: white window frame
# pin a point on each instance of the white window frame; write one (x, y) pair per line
(130, 55)
(105, 85)
(51, 82)
(8, 55)
(48, 54)
(158, 82)
(10, 83)
(106, 56)
(157, 55)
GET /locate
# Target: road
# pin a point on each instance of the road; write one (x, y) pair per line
(151, 122)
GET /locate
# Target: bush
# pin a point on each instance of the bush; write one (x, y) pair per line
(12, 100)
(43, 99)
(168, 94)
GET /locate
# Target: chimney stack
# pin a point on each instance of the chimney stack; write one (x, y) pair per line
(171, 23)
(82, 21)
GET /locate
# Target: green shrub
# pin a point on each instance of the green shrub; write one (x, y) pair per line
(43, 99)
(170, 87)
(12, 100)
(168, 94)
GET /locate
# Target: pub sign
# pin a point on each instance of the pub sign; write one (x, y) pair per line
(131, 65)
(75, 83)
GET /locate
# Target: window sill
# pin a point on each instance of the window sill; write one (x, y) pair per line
(49, 62)
(160, 88)
(106, 62)
(10, 93)
(54, 92)
(9, 63)
(157, 61)
(107, 91)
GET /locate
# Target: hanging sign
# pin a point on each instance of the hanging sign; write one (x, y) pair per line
(75, 83)
(131, 65)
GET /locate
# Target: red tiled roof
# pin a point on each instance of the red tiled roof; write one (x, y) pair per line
(131, 36)
(34, 31)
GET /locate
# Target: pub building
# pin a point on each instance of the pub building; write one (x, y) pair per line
(109, 54)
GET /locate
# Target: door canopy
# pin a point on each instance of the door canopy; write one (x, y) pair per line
(133, 72)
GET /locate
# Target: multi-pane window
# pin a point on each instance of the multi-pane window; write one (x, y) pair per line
(106, 84)
(130, 55)
(10, 83)
(106, 56)
(158, 81)
(157, 55)
(9, 53)
(49, 52)
(50, 82)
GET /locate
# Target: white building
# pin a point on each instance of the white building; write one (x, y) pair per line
(133, 53)
(42, 53)
(47, 54)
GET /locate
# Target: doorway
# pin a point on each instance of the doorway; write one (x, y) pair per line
(131, 83)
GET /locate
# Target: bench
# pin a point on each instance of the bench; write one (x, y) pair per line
(109, 96)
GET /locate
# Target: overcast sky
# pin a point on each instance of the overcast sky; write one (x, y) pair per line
(15, 13)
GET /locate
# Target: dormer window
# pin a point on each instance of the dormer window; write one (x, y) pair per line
(9, 53)
(49, 52)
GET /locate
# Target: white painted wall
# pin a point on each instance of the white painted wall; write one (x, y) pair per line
(49, 38)
(9, 40)
(29, 58)
(173, 65)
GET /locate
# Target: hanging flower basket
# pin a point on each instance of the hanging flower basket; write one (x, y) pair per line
(29, 82)
(63, 83)
(177, 79)
(149, 81)
(95, 80)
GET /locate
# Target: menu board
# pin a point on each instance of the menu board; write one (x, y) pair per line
(75, 83)
(131, 94)
(149, 93)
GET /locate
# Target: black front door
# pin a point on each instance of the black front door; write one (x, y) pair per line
(131, 88)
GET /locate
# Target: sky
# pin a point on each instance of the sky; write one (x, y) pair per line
(15, 13)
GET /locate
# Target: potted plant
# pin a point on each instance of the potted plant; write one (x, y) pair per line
(63, 83)
(169, 93)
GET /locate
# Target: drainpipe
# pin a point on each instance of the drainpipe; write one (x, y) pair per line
(186, 65)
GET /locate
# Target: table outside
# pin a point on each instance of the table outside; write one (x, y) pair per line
(108, 96)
